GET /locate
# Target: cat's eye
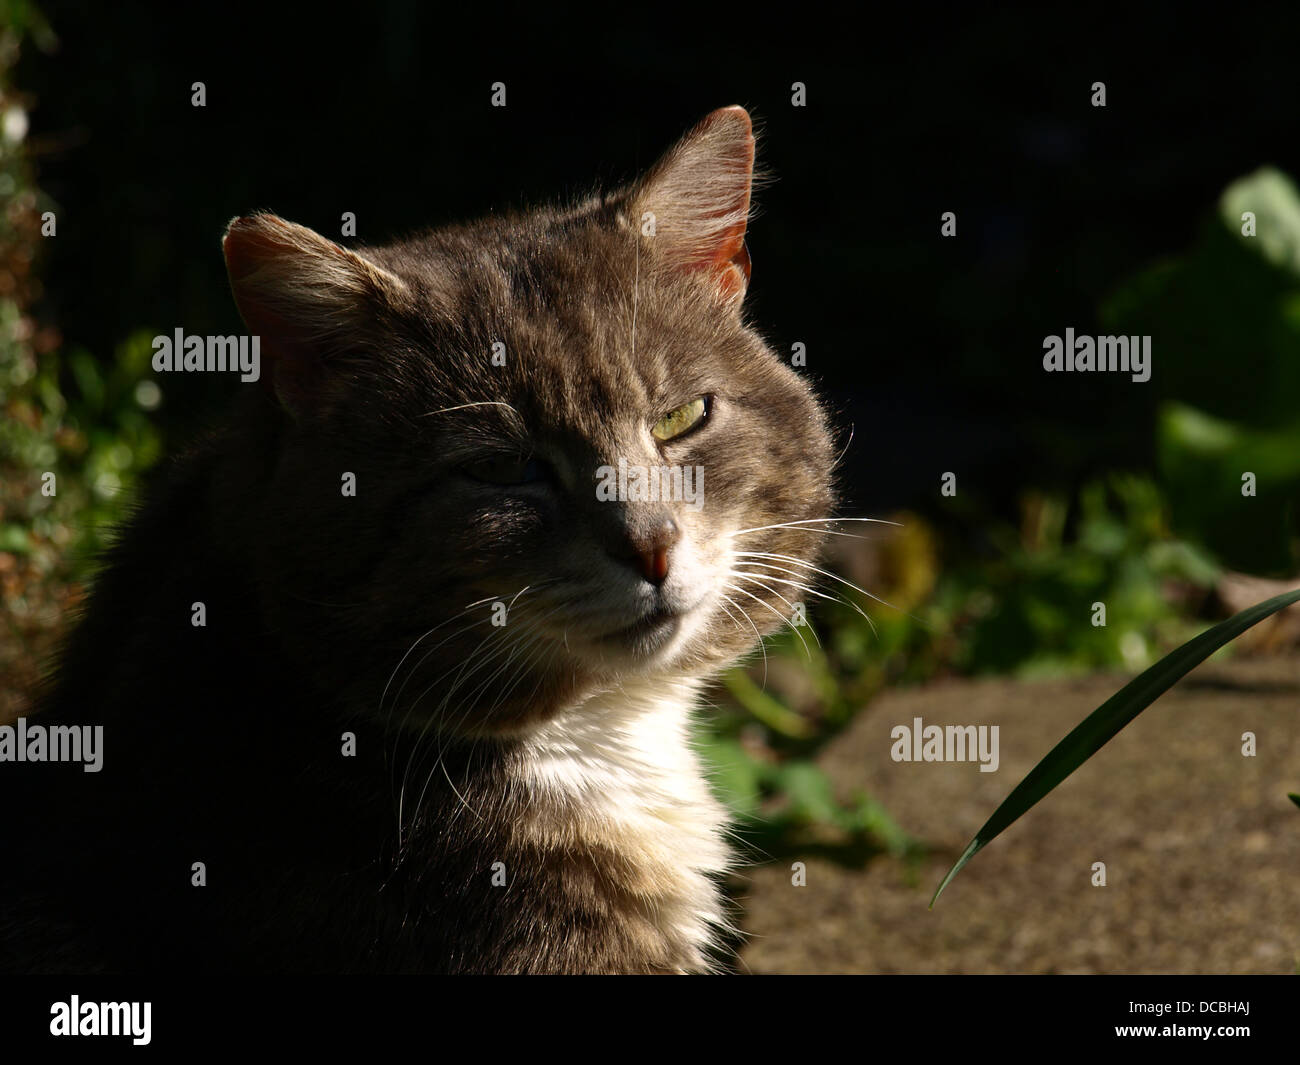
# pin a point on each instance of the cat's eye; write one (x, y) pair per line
(679, 422)
(505, 469)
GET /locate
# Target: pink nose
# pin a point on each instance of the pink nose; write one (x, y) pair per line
(654, 564)
(648, 551)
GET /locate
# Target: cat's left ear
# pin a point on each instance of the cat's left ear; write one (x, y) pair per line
(694, 203)
(309, 301)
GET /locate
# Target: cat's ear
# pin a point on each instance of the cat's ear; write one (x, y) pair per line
(694, 203)
(306, 298)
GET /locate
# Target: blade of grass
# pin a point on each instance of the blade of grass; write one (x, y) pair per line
(1104, 722)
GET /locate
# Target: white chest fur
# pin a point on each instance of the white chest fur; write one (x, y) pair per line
(618, 772)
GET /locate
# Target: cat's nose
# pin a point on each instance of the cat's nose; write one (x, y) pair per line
(650, 551)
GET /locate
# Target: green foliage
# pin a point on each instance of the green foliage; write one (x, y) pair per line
(1030, 610)
(22, 18)
(67, 415)
(73, 431)
(1227, 319)
(1202, 461)
(1025, 607)
(790, 806)
(1104, 723)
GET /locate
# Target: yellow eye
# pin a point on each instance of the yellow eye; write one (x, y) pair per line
(682, 420)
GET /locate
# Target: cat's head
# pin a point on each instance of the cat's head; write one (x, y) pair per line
(500, 393)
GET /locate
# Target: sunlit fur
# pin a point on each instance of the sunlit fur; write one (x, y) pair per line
(556, 744)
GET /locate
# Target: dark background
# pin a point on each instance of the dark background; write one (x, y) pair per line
(929, 348)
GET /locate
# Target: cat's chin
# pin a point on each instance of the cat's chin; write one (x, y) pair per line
(654, 640)
(653, 629)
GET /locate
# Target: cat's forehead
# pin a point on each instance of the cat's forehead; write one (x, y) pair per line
(557, 318)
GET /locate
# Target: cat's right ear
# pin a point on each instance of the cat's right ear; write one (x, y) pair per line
(695, 203)
(306, 298)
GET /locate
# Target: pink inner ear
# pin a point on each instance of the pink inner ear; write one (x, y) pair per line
(743, 262)
(728, 262)
(733, 277)
(724, 256)
(728, 245)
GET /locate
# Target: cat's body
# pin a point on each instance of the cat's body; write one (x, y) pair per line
(514, 655)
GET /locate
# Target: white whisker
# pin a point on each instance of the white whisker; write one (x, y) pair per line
(789, 621)
(811, 521)
(821, 595)
(758, 635)
(825, 573)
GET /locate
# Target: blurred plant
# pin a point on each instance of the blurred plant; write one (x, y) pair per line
(1227, 319)
(1035, 608)
(1203, 460)
(63, 415)
(1023, 603)
(66, 414)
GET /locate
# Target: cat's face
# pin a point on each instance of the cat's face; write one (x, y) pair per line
(569, 449)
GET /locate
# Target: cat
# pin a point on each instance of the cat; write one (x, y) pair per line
(386, 682)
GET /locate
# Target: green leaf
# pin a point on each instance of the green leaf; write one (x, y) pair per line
(768, 709)
(735, 776)
(14, 539)
(810, 794)
(1272, 197)
(871, 816)
(1294, 797)
(1103, 723)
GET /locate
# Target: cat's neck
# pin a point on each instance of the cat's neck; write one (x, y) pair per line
(617, 777)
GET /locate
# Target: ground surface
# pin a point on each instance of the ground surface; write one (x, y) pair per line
(1201, 844)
